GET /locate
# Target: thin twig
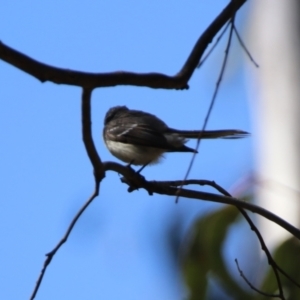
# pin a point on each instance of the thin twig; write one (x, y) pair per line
(264, 247)
(252, 287)
(244, 47)
(206, 56)
(198, 182)
(98, 174)
(213, 99)
(271, 261)
(51, 254)
(287, 276)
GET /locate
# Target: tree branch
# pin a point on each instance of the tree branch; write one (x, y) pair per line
(51, 254)
(44, 72)
(136, 181)
(253, 287)
(87, 135)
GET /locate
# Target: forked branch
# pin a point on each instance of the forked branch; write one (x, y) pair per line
(44, 72)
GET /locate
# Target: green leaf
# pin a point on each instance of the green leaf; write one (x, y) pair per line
(287, 257)
(203, 255)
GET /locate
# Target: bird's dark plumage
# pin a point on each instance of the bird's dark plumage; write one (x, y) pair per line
(145, 137)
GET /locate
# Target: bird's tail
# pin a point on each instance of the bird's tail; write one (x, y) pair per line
(211, 134)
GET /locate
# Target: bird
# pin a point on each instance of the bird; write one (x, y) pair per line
(140, 138)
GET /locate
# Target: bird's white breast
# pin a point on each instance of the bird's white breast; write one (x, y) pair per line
(135, 154)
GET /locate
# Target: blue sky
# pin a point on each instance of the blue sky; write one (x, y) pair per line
(117, 249)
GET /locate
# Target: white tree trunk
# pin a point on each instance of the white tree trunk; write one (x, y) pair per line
(275, 98)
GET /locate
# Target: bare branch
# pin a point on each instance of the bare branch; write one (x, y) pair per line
(287, 276)
(212, 102)
(244, 47)
(98, 173)
(252, 286)
(136, 181)
(213, 46)
(44, 72)
(162, 188)
(271, 261)
(51, 254)
(87, 135)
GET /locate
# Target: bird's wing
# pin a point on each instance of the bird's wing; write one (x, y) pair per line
(137, 134)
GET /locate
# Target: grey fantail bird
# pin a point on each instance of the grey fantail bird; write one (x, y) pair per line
(140, 138)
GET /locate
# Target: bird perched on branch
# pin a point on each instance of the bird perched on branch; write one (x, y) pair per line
(140, 138)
